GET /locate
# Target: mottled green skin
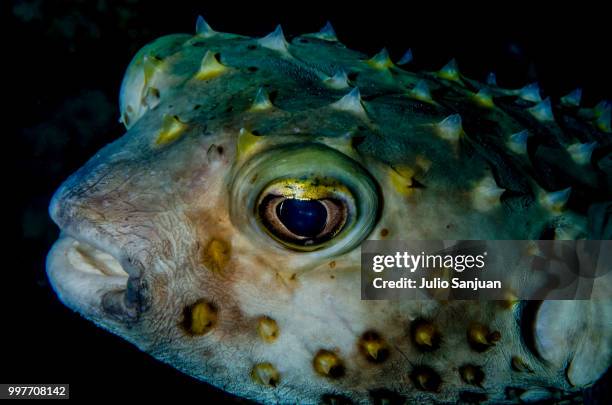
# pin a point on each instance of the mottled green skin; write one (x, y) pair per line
(156, 206)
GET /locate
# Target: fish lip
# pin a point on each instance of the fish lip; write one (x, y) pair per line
(94, 241)
(78, 283)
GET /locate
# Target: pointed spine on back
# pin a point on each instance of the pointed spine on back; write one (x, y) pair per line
(573, 98)
(581, 152)
(327, 33)
(450, 71)
(210, 67)
(275, 41)
(450, 127)
(484, 97)
(555, 201)
(542, 111)
(351, 102)
(421, 91)
(381, 61)
(262, 101)
(338, 81)
(530, 92)
(518, 142)
(203, 29)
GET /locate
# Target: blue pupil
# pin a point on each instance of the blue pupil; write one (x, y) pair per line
(305, 218)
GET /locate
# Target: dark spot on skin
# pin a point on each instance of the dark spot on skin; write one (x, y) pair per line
(369, 97)
(216, 255)
(548, 233)
(220, 150)
(357, 140)
(254, 178)
(265, 374)
(256, 133)
(471, 374)
(328, 364)
(480, 338)
(332, 277)
(425, 378)
(272, 95)
(252, 69)
(373, 347)
(199, 318)
(469, 397)
(416, 184)
(229, 109)
(332, 264)
(197, 106)
(293, 276)
(384, 396)
(448, 226)
(334, 399)
(337, 372)
(267, 328)
(425, 335)
(384, 233)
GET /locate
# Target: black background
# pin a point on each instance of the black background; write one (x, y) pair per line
(63, 64)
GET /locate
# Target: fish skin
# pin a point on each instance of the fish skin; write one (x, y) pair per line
(193, 275)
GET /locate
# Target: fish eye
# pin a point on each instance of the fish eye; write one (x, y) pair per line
(307, 198)
(304, 214)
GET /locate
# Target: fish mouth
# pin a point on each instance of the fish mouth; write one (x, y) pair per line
(84, 274)
(87, 258)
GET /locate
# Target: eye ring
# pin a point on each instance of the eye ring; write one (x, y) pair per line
(305, 176)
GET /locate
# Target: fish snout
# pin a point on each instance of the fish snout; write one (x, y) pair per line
(93, 268)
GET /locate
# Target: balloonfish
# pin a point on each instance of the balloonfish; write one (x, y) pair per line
(221, 233)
